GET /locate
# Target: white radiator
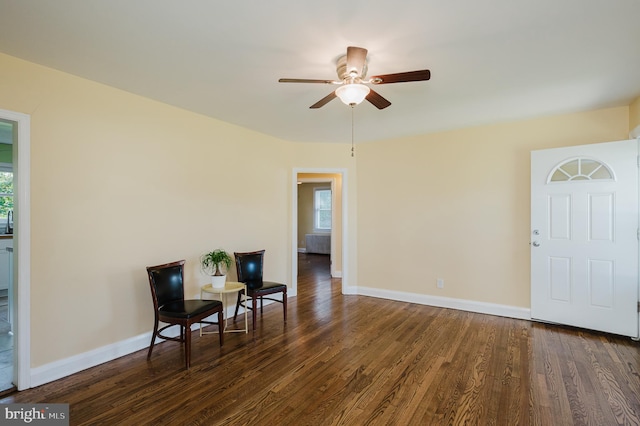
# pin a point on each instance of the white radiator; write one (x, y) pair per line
(318, 243)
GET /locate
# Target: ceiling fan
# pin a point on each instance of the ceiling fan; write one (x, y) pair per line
(352, 70)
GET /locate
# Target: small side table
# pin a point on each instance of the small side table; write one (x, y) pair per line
(221, 294)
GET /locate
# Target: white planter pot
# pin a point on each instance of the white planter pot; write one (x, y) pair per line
(217, 281)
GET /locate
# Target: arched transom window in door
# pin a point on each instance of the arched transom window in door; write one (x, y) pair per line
(580, 168)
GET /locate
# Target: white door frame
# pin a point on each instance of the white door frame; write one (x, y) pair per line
(333, 242)
(570, 153)
(294, 224)
(22, 250)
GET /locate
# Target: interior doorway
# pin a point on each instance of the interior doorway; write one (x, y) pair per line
(315, 222)
(19, 260)
(335, 180)
(7, 135)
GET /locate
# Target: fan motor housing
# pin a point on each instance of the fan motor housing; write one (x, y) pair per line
(343, 73)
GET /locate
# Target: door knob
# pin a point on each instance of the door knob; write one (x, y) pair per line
(535, 244)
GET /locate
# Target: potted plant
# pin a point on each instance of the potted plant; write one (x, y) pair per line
(216, 263)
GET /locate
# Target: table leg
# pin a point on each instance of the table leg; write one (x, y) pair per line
(246, 325)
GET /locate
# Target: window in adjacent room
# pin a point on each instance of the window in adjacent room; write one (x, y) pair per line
(322, 209)
(6, 199)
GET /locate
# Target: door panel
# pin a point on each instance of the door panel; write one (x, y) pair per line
(560, 276)
(584, 226)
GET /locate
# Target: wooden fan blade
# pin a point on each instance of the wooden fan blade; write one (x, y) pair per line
(322, 102)
(377, 100)
(356, 57)
(401, 77)
(305, 80)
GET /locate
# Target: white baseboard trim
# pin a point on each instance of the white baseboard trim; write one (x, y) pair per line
(349, 289)
(74, 364)
(336, 274)
(302, 250)
(448, 302)
(65, 367)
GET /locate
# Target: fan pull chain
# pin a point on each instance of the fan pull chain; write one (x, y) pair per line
(352, 147)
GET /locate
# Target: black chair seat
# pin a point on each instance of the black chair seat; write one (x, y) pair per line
(188, 308)
(258, 286)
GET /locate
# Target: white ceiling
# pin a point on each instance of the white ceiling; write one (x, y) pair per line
(490, 61)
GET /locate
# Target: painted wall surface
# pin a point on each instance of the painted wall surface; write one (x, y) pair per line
(456, 205)
(120, 182)
(634, 114)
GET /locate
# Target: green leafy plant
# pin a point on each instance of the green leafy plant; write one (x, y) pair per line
(215, 262)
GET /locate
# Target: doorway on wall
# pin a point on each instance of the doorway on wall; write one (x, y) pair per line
(314, 224)
(8, 134)
(584, 236)
(317, 241)
(18, 294)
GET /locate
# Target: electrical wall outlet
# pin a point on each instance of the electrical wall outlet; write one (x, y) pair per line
(440, 283)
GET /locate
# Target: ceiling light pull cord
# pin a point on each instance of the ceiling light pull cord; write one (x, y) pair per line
(352, 147)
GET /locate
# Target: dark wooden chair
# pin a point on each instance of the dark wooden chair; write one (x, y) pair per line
(249, 267)
(167, 291)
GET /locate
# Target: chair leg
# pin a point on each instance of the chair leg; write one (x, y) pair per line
(254, 310)
(284, 304)
(221, 327)
(153, 339)
(187, 344)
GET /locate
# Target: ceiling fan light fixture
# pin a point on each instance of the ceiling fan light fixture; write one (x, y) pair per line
(352, 94)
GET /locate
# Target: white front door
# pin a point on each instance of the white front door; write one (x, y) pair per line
(584, 236)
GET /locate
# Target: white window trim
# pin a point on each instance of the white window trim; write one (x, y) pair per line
(570, 178)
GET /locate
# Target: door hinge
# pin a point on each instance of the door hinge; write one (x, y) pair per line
(638, 306)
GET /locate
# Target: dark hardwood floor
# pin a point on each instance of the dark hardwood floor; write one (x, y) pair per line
(355, 360)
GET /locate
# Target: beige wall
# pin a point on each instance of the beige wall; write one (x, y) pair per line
(634, 114)
(456, 205)
(120, 182)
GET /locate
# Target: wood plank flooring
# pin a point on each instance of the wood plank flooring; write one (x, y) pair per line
(355, 360)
